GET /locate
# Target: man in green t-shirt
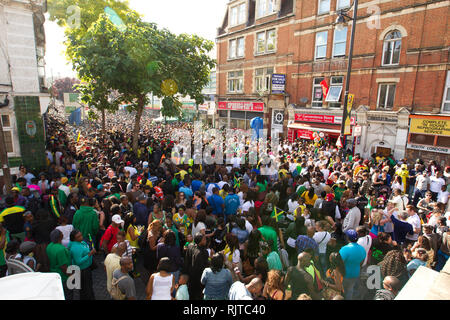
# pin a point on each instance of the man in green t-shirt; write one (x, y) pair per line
(4, 239)
(60, 260)
(269, 233)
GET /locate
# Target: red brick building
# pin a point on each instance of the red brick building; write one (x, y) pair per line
(400, 69)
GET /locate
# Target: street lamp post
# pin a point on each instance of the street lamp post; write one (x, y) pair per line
(340, 21)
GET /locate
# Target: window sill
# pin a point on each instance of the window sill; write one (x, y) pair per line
(383, 109)
(234, 59)
(265, 53)
(390, 66)
(267, 15)
(237, 25)
(320, 14)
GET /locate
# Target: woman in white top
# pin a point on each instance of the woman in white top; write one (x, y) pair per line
(322, 237)
(293, 203)
(161, 284)
(65, 229)
(199, 224)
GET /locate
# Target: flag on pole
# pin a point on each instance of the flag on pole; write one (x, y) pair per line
(325, 88)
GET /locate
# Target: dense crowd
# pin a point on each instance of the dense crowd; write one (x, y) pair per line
(307, 230)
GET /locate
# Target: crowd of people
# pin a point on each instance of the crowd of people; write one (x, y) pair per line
(231, 231)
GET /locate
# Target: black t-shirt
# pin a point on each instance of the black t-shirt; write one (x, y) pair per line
(297, 280)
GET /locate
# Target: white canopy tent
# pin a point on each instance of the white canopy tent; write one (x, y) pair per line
(32, 286)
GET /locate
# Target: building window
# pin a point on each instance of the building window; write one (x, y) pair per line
(237, 15)
(324, 6)
(265, 42)
(386, 95)
(342, 4)
(391, 49)
(321, 44)
(6, 123)
(335, 92)
(339, 42)
(262, 79)
(235, 81)
(236, 48)
(266, 7)
(317, 94)
(7, 132)
(446, 99)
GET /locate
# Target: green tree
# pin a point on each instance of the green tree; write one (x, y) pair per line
(96, 95)
(141, 59)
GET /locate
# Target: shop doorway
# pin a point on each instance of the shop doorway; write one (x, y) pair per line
(383, 152)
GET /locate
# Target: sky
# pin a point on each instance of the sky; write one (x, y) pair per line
(201, 17)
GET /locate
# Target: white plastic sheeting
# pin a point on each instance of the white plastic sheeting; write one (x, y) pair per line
(32, 286)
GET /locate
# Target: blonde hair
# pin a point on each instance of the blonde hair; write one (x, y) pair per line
(304, 296)
(376, 216)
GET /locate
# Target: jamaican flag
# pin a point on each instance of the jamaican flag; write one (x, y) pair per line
(237, 182)
(276, 213)
(54, 206)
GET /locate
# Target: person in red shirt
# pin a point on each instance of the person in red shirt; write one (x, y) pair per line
(109, 238)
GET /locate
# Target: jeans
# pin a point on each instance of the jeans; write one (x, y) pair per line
(351, 288)
(323, 263)
(441, 260)
(87, 290)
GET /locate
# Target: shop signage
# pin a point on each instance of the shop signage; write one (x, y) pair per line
(357, 131)
(277, 120)
(241, 106)
(278, 83)
(30, 126)
(382, 119)
(430, 126)
(305, 134)
(428, 148)
(321, 118)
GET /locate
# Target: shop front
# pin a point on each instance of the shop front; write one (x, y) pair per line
(310, 126)
(429, 139)
(238, 114)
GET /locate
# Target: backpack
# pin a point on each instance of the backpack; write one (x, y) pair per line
(115, 292)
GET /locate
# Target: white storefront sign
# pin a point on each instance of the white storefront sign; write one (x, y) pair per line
(428, 148)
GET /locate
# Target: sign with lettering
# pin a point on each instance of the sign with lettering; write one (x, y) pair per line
(278, 83)
(430, 126)
(428, 148)
(321, 118)
(241, 106)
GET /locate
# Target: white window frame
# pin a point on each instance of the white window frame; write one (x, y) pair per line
(335, 43)
(389, 86)
(266, 38)
(318, 7)
(335, 83)
(321, 45)
(241, 15)
(385, 43)
(446, 89)
(266, 6)
(10, 130)
(264, 78)
(313, 91)
(340, 6)
(236, 48)
(237, 79)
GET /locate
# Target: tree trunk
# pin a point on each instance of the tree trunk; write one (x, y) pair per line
(137, 125)
(4, 161)
(103, 127)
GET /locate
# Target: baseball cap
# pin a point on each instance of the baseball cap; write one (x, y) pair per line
(329, 197)
(117, 219)
(352, 235)
(100, 187)
(145, 164)
(352, 201)
(15, 189)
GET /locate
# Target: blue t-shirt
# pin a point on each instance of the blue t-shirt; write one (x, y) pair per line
(187, 192)
(216, 201)
(232, 203)
(196, 184)
(352, 255)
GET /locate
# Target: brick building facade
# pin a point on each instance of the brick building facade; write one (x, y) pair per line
(400, 67)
